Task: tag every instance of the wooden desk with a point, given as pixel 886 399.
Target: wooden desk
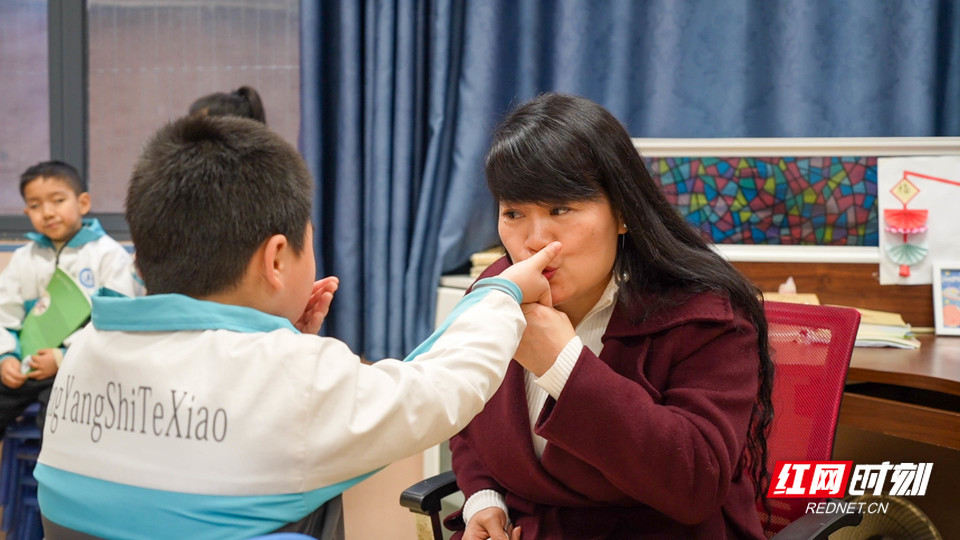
pixel 910 394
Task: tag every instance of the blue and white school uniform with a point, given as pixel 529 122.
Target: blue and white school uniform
pixel 91 258
pixel 178 418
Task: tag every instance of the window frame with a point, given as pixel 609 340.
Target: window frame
pixel 68 75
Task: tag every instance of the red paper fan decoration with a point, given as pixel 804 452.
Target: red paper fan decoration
pixel 904 218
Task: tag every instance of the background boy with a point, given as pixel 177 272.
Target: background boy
pixel 200 410
pixel 56 200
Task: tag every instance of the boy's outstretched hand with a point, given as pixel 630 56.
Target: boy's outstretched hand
pixel 318 305
pixel 528 274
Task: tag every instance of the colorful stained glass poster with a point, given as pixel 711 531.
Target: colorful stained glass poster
pixel 919 211
pixel 774 200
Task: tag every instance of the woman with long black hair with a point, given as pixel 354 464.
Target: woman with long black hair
pixel 646 403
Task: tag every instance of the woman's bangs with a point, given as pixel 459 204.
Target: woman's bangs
pixel 539 177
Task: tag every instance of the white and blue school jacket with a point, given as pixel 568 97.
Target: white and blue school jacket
pixel 91 258
pixel 173 417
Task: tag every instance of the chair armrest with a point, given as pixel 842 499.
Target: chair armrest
pixel 424 497
pixel 818 526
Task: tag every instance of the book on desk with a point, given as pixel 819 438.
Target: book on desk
pixel 884 329
pixel 877 328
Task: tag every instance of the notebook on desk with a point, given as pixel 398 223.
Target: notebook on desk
pixel 884 329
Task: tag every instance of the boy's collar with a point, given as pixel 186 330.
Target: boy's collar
pixel 173 312
pixel 89 231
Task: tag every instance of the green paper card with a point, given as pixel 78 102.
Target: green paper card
pixel 61 310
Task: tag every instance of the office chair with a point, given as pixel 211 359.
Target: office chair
pixel 811 348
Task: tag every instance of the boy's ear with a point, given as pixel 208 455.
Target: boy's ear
pixel 84 201
pixel 273 260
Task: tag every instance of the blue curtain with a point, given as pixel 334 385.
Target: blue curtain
pixel 378 98
pixel 399 98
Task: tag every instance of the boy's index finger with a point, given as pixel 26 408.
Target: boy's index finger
pixel 543 257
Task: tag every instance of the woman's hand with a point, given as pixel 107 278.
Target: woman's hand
pixel 548 332
pixel 491 523
pixel 318 305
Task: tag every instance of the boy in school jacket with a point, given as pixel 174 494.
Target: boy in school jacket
pixel 56 202
pixel 209 409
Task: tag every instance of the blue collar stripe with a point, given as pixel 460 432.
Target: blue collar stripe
pixel 480 290
pixel 89 231
pixel 173 312
pixel 110 510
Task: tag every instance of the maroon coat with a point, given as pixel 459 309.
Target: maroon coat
pixel 644 441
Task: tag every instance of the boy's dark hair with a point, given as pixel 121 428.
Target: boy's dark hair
pixel 53 169
pixel 205 193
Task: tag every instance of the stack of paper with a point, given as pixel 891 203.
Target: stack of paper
pixel 884 329
pixel 793 298
pixel 480 260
